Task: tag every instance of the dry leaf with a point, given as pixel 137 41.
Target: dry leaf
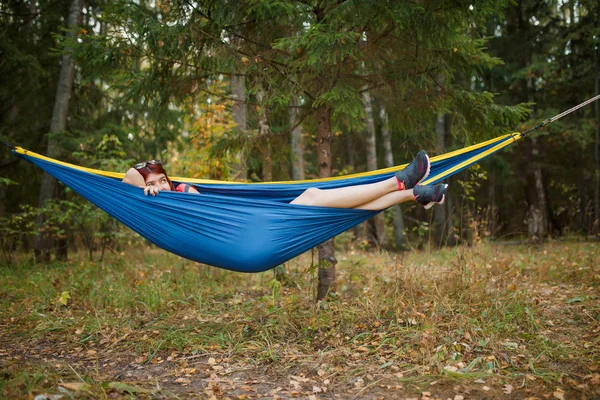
pixel 559 394
pixel 507 389
pixel 300 378
pixel 76 386
pixel 48 397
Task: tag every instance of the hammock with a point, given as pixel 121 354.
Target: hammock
pixel 246 227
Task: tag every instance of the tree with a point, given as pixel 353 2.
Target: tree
pixel 297 143
pixel 58 124
pixel 597 139
pixel 399 236
pixel 240 117
pixel 376 224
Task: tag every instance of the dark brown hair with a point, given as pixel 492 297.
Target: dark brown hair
pixel 155 169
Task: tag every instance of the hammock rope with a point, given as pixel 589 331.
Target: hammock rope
pixel 10 146
pixel 562 114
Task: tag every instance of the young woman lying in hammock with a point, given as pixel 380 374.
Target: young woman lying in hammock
pixel 374 196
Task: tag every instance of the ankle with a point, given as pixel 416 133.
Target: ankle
pixel 401 185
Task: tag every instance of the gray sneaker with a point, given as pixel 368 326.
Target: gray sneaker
pixel 415 172
pixel 430 195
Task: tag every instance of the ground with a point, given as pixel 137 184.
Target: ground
pixel 481 322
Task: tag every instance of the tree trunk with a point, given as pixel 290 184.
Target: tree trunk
pixel 492 211
pixel 297 145
pixel 597 142
pixel 263 131
pixel 240 117
pixel 358 231
pixel 376 224
pixel 399 237
pixel 537 221
pixel 441 217
pixel 58 124
pixel 327 260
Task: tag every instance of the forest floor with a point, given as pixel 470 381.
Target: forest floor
pixel 481 322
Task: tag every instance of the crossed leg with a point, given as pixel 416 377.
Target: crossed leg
pixel 373 196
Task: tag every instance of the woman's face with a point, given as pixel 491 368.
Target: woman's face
pixel 158 181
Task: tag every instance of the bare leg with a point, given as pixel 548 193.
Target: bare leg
pixel 388 200
pixel 350 196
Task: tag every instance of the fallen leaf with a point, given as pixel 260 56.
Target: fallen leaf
pixel 76 386
pixel 594 379
pixel 48 397
pixel 300 378
pixel 507 389
pixel 559 394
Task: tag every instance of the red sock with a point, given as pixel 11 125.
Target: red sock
pixel 400 184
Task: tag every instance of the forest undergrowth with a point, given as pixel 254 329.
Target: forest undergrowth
pixel 488 321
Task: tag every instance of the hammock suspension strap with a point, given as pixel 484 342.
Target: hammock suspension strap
pixel 10 146
pixel 562 114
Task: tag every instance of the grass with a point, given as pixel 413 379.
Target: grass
pixel 412 322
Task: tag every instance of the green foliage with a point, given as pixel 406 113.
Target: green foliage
pixel 80 221
pixel 6 182
pixel 14 230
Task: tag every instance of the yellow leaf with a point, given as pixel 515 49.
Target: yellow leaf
pixel 64 298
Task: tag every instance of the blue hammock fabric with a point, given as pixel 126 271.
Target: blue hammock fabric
pixel 239 227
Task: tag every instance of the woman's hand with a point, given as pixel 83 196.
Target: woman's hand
pixel 153 190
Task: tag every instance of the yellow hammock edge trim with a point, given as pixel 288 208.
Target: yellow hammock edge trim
pixel 120 175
